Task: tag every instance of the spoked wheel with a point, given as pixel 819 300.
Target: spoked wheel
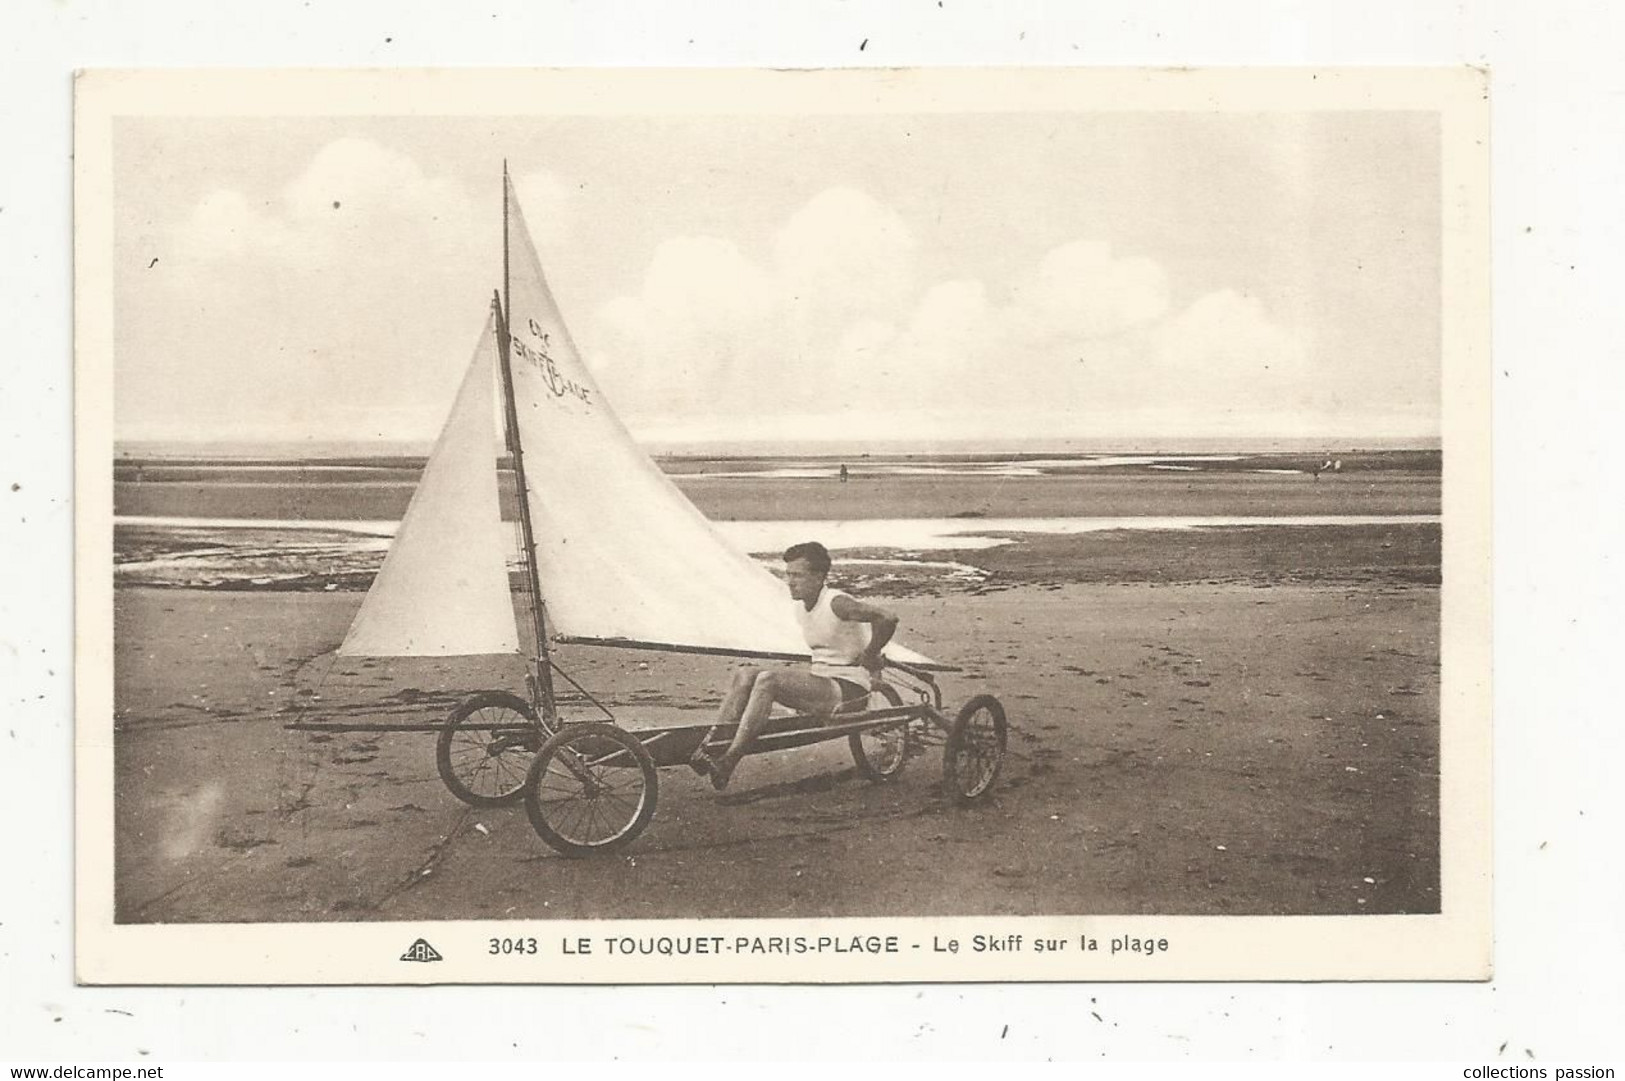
pixel 591 789
pixel 485 748
pixel 974 750
pixel 881 754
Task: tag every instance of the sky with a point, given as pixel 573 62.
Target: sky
pixel 768 279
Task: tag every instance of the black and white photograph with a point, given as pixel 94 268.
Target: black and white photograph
pixel 784 526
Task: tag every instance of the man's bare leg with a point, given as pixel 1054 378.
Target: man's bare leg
pixel 729 712
pixel 801 691
pixel 733 703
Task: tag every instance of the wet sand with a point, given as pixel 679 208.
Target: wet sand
pixel 1208 724
pixel 1101 493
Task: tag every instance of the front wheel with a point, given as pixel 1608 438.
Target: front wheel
pixel 591 789
pixel 974 750
pixel 485 748
pixel 880 754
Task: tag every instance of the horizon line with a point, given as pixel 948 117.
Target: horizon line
pixel 320 448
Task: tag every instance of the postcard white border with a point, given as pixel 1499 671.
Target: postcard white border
pixel 1453 945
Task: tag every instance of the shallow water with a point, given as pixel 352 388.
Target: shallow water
pixel 259 551
pixel 1032 467
pixel 906 533
pixel 969 533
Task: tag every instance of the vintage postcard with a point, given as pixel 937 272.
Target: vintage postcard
pixel 794 526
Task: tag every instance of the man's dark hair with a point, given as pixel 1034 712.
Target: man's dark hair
pixel 816 555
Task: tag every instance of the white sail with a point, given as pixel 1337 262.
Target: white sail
pixel 622 556
pixel 443 589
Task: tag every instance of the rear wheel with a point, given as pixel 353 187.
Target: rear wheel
pixel 974 751
pixel 880 754
pixel 591 789
pixel 485 748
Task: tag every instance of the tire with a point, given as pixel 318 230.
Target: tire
pixel 583 808
pixel 974 751
pixel 483 767
pixel 880 756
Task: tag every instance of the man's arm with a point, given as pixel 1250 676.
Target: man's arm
pixel 882 626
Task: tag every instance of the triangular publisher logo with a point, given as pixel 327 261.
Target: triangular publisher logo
pixel 421 951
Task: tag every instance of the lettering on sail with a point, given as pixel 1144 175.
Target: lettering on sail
pixel 535 353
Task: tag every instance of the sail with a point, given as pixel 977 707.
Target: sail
pixel 443 589
pixel 622 556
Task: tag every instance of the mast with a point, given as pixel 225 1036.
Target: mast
pixel 507 288
pixel 510 409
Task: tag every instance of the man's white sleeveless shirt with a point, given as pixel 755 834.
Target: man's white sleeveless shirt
pixel 834 642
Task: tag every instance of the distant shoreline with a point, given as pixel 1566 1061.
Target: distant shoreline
pixel 1419 459
pixel 734 490
pixel 972 450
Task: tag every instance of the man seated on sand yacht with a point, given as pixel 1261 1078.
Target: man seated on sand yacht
pixel 845 637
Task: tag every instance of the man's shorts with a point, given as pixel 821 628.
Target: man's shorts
pixel 853 695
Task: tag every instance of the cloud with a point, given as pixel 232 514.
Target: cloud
pixel 356 319
pixel 713 330
pixel 706 286
pixel 355 288
pixel 838 322
pixel 1080 290
pixel 950 337
pixel 1225 343
pixel 843 252
pixel 693 337
pixel 368 179
pixel 224 226
pixel 354 198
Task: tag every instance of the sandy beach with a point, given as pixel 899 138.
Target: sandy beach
pixel 1219 721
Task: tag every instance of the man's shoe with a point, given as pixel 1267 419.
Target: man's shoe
pixel 721 770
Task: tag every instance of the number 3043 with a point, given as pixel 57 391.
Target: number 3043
pixel 512 945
